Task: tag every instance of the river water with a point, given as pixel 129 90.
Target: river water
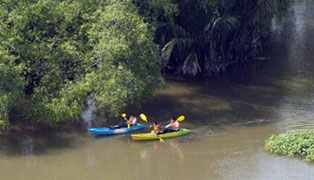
pixel 230 120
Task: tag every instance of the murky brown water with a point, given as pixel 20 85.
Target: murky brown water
pixel 230 120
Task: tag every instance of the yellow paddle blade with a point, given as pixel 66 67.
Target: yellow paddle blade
pixel 161 139
pixel 143 117
pixel 123 115
pixel 152 131
pixel 129 126
pixel 180 118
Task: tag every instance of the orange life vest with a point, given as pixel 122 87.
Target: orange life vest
pixel 175 125
pixel 156 128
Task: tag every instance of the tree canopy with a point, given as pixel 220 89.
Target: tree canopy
pixel 54 55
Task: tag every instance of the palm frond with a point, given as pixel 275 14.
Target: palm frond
pixel 181 45
pixel 191 64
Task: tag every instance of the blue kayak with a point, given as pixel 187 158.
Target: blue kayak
pixel 110 131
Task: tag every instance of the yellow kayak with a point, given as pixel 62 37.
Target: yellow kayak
pixel 153 136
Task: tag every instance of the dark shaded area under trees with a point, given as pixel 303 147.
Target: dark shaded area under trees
pixel 207 36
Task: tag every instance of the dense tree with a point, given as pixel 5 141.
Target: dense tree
pixel 61 53
pixel 11 85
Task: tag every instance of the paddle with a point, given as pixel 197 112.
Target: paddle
pixel 180 118
pixel 124 115
pixel 144 118
pixel 161 140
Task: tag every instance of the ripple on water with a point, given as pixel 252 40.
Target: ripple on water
pixel 298 120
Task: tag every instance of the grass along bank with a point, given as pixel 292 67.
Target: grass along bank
pixel 293 143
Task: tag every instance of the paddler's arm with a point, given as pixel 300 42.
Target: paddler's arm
pixel 168 125
pixel 127 121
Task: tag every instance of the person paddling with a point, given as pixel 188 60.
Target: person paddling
pixel 156 127
pixel 132 121
pixel 174 124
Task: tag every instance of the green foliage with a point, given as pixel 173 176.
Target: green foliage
pixel 62 53
pixel 207 36
pixel 125 55
pixel 293 143
pixel 11 85
pixel 156 11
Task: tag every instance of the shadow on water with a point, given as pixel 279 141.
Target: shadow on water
pixel 215 104
pixel 27 145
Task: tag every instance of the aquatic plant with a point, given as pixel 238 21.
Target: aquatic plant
pixel 293 143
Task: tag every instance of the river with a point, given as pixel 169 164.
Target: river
pixel 230 120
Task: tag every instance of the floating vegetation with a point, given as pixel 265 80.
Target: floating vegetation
pixel 293 143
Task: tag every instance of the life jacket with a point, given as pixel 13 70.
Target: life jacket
pixel 175 125
pixel 132 121
pixel 156 128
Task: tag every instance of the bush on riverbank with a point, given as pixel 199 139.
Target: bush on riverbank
pixel 294 143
